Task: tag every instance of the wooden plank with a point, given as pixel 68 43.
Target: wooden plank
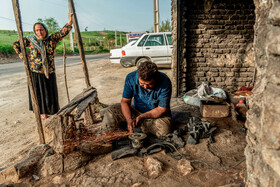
pixel 74 103
pixel 28 73
pixel 80 43
pixel 86 103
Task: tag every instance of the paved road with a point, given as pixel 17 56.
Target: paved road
pixel 18 67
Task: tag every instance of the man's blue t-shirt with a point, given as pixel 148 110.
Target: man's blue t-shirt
pixel 143 100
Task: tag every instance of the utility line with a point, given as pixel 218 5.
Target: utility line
pixel 14 20
pixel 87 13
pixel 45 1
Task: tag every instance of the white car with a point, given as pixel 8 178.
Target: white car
pixel 156 47
pixel 116 54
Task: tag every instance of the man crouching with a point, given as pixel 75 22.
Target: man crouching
pixel 151 91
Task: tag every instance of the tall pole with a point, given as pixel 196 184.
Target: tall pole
pixel 116 38
pixel 70 33
pixel 121 40
pixel 80 43
pixel 28 73
pixel 156 16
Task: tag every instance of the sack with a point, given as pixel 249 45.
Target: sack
pixel 195 101
pixel 203 92
pixel 192 98
pixel 207 91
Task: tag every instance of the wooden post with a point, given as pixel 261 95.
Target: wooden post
pixel 28 73
pixel 64 68
pixel 80 43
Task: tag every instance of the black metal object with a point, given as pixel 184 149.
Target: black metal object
pixel 152 144
pixel 199 129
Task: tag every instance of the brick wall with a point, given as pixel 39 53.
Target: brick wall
pixel 216 43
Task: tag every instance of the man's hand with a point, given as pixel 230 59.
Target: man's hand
pixel 130 125
pixel 70 21
pixel 125 104
pixel 139 119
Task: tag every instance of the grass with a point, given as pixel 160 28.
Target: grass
pixel 6 49
pixel 93 41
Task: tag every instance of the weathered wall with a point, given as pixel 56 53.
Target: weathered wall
pixel 263 118
pixel 215 43
pixel 179 40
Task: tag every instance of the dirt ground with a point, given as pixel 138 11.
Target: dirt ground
pixel 18 135
pixel 8 58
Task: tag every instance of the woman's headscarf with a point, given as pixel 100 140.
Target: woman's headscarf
pixel 38 43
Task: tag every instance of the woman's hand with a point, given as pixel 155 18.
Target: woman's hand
pixel 70 21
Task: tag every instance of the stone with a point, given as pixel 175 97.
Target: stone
pixel 153 166
pixel 35 177
pixel 229 74
pixel 75 160
pixel 271 157
pixel 232 185
pixel 19 170
pixel 184 167
pixel 52 165
pixel 200 74
pixel 138 184
pixel 274 15
pixel 38 150
pixel 48 128
pixel 25 167
pixel 263 140
pixel 214 109
pixel 9 175
pixel 57 180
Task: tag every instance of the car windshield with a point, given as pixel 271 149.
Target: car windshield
pixel 133 42
pixel 141 43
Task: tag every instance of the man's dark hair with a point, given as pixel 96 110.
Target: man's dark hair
pixel 147 71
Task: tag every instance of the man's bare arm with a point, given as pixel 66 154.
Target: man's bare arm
pixel 155 113
pixel 126 110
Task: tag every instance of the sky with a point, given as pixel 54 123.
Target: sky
pixel 97 15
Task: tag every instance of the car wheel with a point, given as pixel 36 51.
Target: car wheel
pixel 125 65
pixel 140 61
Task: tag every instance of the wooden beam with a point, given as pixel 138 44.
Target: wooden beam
pixel 28 73
pixel 80 43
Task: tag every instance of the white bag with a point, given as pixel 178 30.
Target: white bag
pixel 206 91
pixel 192 98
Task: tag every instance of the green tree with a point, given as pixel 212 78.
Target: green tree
pixel 51 23
pixel 86 29
pixel 165 26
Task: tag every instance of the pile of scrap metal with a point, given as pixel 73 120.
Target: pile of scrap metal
pixel 199 129
pixel 140 144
